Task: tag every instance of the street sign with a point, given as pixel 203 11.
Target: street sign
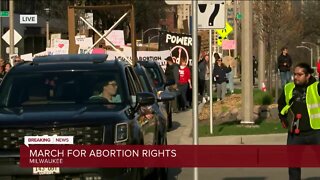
pixel 6 37
pixel 211 15
pixel 239 16
pixel 226 31
pixel 4 13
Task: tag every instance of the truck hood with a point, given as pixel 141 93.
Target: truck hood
pixel 62 115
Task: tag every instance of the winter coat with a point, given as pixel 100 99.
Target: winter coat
pixel 219 73
pixel 284 63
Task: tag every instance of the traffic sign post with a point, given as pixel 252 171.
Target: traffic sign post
pixel 4 13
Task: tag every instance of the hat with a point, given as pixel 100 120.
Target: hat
pixel 169 58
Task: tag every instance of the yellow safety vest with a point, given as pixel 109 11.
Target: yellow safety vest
pixel 312 101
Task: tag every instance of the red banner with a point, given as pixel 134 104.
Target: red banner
pixel 169 156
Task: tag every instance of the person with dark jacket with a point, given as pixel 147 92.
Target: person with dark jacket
pixel 172 76
pixel 299 111
pixel 220 75
pixel 284 66
pixel 204 78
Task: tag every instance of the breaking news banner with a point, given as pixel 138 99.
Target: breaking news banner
pixel 105 156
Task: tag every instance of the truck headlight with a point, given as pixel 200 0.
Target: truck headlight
pixel 121 133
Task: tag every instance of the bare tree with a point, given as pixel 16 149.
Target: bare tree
pixel 279 24
pixel 311 19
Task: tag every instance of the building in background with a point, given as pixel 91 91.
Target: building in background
pixel 33 35
pixel 183 17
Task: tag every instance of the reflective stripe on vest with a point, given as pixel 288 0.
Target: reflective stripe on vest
pixel 313 105
pixel 288 89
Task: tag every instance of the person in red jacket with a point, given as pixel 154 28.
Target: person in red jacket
pixel 184 83
pixel 318 68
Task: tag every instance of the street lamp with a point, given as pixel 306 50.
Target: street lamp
pixel 149 40
pixel 47 10
pixel 311 53
pixel 142 36
pixel 313 45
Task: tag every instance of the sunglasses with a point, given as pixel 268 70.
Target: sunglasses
pixel 113 84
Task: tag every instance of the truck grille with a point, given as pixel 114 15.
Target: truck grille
pixel 13 138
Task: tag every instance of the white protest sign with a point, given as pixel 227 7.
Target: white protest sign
pixel 54 36
pixel 84 45
pixel 48 140
pixel 43 53
pixel 116 37
pixel 79 39
pixel 158 56
pixel 60 46
pixel 26 57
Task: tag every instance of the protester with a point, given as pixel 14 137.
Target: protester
pixel 298 108
pixel 204 79
pixel 219 73
pixel 284 65
pixel 184 83
pixel 1 72
pixel 17 60
pixel 172 76
pixel 7 67
pixel 2 62
pixel 255 69
pixel 230 62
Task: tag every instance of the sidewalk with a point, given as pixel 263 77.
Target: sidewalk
pixel 182 134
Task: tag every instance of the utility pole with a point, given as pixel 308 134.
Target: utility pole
pixel 246 63
pixel 235 24
pixel 11 26
pixel 195 78
pixel 261 62
pixel 261 50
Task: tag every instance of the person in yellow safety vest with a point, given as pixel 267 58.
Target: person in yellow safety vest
pixel 299 110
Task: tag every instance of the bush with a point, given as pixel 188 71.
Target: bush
pixel 262 98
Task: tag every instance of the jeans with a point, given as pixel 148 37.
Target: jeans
pixel 207 88
pixel 183 88
pixel 311 139
pixel 201 88
pixel 230 85
pixel 221 90
pixel 285 78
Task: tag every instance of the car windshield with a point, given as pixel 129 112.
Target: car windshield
pixel 72 87
pixel 155 75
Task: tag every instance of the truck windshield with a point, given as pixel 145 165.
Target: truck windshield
pixel 43 88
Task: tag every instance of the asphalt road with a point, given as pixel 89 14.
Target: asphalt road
pixel 181 134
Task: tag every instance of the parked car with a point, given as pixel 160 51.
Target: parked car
pixel 159 80
pixel 163 97
pixel 158 107
pixel 85 96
